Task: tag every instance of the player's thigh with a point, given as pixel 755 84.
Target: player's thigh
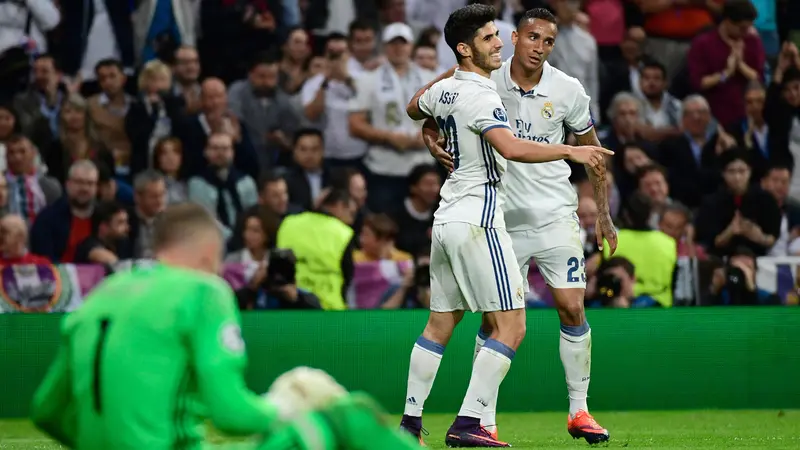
pixel 525 245
pixel 445 294
pixel 559 255
pixel 486 270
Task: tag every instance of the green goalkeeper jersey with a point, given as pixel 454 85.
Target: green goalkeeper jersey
pixel 145 361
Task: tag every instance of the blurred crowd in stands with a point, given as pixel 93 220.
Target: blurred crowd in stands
pixel 286 119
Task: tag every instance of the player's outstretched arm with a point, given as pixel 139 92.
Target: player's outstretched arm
pixel 53 410
pixel 413 110
pixel 219 357
pixel 526 151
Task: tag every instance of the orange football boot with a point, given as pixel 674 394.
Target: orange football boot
pixel 584 426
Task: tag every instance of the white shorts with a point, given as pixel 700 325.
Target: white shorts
pixel 474 268
pixel 557 250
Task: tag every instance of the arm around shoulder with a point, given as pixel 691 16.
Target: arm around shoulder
pixel 511 148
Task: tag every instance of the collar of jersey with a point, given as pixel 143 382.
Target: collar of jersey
pixel 472 76
pixel 543 88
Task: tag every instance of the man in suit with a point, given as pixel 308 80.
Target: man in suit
pixel 692 157
pixel 307 178
pixel 214 116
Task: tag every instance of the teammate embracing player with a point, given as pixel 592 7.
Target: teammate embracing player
pixel 541 205
pixel 472 261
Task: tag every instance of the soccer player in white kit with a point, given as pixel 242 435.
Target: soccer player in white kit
pixel 541 204
pixel 472 261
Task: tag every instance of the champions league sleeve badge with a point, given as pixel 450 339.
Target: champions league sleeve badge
pixel 500 115
pixel 547 110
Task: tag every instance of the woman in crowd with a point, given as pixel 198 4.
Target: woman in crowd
pixel 167 159
pixel 76 140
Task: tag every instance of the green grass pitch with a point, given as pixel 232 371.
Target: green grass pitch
pixel 540 431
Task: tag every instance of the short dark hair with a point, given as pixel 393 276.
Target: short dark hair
pixel 267 178
pixel 419 172
pixel 8 107
pixel 340 177
pixel 777 166
pixel 381 225
pixel 650 168
pixel 537 13
pixel 108 62
pixel 678 208
pixel 464 23
pixel 653 64
pixel 618 261
pixel 303 132
pixel 49 56
pixel 637 211
pixel 336 196
pixel 739 11
pixel 104 212
pixel 104 173
pixel 359 25
pixel 263 58
pixel 335 36
pixel 735 154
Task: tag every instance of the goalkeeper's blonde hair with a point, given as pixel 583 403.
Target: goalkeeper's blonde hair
pixel 181 223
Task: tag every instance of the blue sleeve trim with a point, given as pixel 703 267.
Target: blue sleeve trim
pixel 492 127
pixel 585 130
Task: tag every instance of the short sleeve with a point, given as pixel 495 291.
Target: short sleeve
pixel 427 101
pixel 310 89
pixel 488 113
pixel 579 117
pixel 364 93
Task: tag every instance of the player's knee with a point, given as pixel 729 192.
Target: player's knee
pixel 572 313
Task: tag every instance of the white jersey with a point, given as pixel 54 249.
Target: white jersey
pixel 539 194
pixel 466 106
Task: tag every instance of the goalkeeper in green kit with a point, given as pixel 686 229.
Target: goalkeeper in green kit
pixel 155 352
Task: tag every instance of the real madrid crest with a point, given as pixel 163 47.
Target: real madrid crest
pixel 547 110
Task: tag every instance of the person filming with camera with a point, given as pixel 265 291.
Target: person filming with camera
pixel 735 282
pixel 613 287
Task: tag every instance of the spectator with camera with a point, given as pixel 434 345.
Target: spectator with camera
pixel 273 286
pixel 651 251
pixel 322 242
pixel 734 283
pixel 615 284
pixel 258 230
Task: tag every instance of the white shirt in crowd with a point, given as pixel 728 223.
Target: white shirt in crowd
pixel 466 106
pixel 339 144
pixel 539 194
pixel 101 43
pixel 384 95
pixel 44 16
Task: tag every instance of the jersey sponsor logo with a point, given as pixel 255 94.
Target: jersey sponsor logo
pixel 231 338
pixel 548 111
pixel 500 115
pixel 524 132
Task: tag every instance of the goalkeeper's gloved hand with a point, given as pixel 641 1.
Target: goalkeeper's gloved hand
pixel 303 389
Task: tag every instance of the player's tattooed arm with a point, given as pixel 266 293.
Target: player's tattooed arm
pixel 605 226
pixel 412 109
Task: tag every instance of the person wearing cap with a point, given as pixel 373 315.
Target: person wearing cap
pixel 378 117
pixel 739 214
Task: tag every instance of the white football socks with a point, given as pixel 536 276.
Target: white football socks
pixel 576 356
pixel 425 359
pixel 489 417
pixel 488 371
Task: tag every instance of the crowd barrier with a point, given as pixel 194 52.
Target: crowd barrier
pixel 680 358
pixel 61 288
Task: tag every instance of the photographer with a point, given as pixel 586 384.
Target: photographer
pixel 735 282
pixel 273 286
pixel 613 287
